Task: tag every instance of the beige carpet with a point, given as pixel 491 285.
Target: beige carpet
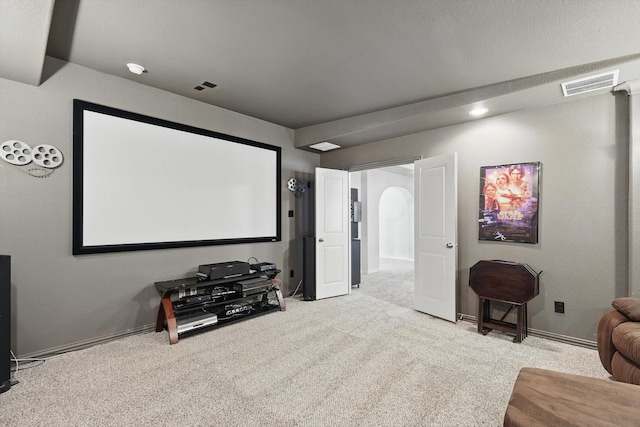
pixel 366 359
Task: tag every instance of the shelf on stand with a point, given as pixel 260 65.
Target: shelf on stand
pixel 221 302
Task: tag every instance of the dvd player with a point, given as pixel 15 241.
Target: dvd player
pixel 253 286
pixel 191 323
pixel 192 301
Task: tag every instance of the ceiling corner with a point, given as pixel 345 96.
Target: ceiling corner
pixel 24 32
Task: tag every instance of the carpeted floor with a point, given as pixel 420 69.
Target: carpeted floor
pixel 393 283
pixel 367 359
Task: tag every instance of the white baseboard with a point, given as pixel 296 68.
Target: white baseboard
pixel 79 345
pixel 544 334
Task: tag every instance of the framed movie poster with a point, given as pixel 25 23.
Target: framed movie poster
pixel 509 203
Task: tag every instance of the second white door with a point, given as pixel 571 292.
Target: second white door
pixel 332 233
pixel 436 246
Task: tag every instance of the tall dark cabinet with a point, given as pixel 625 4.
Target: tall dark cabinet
pixel 355 262
pixel 5 323
pixel 356 243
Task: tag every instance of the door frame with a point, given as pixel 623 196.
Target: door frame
pixel 373 166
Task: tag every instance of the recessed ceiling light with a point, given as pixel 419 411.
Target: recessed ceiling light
pixel 135 68
pixel 478 111
pixel 324 146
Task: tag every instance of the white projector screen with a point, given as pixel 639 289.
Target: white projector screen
pixel 145 183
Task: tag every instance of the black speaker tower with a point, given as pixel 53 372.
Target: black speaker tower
pixel 5 323
pixel 309 268
pixel 309 247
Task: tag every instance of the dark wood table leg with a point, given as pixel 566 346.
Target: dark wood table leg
pixel 480 313
pixel 526 321
pixel 172 326
pixel 160 318
pixel 519 323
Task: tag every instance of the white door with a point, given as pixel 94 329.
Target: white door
pixel 332 233
pixel 436 247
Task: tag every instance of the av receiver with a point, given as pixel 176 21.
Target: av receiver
pixel 224 269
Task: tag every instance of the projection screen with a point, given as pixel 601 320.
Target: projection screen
pixel 144 183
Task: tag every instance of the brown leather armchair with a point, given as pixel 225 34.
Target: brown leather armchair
pixel 619 340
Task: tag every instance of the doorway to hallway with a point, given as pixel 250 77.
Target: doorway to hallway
pixel 386 229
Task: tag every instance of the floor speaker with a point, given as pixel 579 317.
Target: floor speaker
pixel 356 248
pixel 5 323
pixel 309 268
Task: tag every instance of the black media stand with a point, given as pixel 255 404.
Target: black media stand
pixel 191 304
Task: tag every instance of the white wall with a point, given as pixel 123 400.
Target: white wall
pixel 59 300
pixel 396 224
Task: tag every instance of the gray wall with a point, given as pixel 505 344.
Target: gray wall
pixel 60 301
pixel 582 249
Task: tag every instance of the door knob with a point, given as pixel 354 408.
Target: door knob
pixel 449 245
pixel 321 240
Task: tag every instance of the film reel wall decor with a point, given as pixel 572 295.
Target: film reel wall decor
pixel 297 188
pixel 45 157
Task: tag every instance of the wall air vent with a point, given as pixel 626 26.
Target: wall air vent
pixel 591 83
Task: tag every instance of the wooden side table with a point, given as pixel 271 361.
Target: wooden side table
pixel 507 282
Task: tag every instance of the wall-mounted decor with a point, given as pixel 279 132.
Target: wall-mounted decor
pixel 509 202
pixel 145 183
pixel 45 157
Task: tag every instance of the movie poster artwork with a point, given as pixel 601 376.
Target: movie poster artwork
pixel 509 203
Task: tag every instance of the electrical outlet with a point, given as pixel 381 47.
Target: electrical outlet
pixel 291 273
pixel 559 306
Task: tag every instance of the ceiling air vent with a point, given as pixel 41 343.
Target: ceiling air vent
pixel 588 84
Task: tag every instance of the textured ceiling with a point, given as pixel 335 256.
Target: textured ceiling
pixel 349 71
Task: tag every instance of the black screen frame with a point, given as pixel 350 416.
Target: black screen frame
pixel 78 240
